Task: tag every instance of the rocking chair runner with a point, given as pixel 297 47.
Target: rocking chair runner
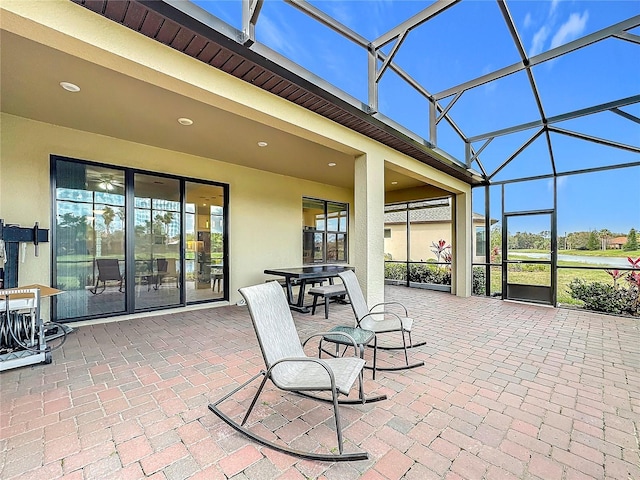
pixel 290 369
pixel 380 321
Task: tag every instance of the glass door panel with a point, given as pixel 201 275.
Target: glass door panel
pixel 205 269
pixel 157 242
pixel 90 232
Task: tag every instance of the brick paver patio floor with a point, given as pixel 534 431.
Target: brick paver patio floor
pixel 508 391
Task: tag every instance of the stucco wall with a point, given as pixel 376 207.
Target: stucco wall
pixel 422 234
pixel 265 210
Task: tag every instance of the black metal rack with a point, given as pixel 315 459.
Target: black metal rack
pixel 13 235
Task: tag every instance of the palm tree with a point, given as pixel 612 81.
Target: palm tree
pixel 108 215
pixel 164 220
pixel 605 234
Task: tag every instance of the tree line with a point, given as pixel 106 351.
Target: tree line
pixel 589 240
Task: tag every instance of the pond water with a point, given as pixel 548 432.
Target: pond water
pixel 587 260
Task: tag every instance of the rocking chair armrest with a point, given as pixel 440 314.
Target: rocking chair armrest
pixel 322 334
pixel 373 314
pixel 319 361
pixel 406 313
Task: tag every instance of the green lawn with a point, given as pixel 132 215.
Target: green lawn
pixel 565 276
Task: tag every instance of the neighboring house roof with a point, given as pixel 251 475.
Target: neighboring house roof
pixel 618 241
pixel 425 215
pixel 217 44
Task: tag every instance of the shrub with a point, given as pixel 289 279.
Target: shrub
pixel 395 271
pixel 615 298
pixel 478 281
pixel 421 273
pixel 598 296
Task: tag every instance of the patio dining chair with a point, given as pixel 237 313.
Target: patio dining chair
pixel 108 270
pixel 290 369
pixel 381 321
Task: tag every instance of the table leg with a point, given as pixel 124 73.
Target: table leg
pixel 303 284
pixel 289 290
pixel 297 305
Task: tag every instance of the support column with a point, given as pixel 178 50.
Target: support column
pixel 368 244
pixel 463 237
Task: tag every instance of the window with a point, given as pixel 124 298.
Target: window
pixel 324 231
pixel 387 233
pixel 480 241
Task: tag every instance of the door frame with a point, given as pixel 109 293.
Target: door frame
pixel 530 293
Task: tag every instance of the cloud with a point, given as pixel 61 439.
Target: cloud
pixel 341 12
pixel 367 21
pixel 561 182
pixel 571 29
pixel 279 36
pixel 539 38
pixel 527 20
pixel 553 7
pixel 489 87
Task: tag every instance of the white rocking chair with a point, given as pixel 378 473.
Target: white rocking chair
pixel 290 369
pixel 380 321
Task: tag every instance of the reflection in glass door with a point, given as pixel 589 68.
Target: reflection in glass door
pixel 528 241
pixel 157 241
pixel 205 266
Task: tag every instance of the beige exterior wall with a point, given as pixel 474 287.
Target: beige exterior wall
pixel 265 210
pixel 422 234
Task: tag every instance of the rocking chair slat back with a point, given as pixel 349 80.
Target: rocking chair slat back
pixel 358 302
pixel 273 324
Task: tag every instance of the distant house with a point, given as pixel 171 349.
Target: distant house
pixel 427 225
pixel 616 243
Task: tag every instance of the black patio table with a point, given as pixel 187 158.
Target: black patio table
pixel 305 275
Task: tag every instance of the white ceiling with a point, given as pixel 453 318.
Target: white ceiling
pixel 116 105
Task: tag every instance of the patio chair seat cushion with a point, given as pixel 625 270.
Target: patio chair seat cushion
pixel 328 290
pixel 312 376
pixel 389 324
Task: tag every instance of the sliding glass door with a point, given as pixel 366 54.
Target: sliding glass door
pixel 127 241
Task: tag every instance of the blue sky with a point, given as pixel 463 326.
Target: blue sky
pixel 471 39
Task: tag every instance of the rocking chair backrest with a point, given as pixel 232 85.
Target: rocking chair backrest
pixel 108 269
pixel 356 297
pixel 273 324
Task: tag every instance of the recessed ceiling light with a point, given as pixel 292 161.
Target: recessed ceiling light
pixel 262 144
pixel 331 164
pixel 185 121
pixel 70 87
pixel 394 183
